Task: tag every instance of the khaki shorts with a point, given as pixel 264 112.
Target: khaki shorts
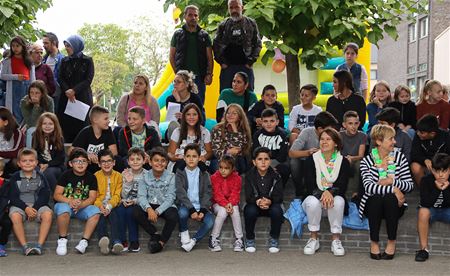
pixel 14 209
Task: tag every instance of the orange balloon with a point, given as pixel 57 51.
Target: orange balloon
pixel 278 65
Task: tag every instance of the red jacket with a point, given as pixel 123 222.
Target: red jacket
pixel 226 190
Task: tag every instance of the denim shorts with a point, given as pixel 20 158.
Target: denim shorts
pixel 82 214
pixel 440 214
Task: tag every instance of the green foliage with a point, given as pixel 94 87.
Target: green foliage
pixel 311 28
pixel 17 17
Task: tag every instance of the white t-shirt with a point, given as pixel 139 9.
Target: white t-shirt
pixel 301 118
pixel 51 61
pixel 206 138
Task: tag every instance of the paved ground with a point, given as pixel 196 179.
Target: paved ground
pixel 203 262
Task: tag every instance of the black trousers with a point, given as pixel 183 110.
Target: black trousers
pixel 5 225
pixel 379 207
pixel 170 216
pixel 251 214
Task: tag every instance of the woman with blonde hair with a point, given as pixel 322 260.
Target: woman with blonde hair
pixel 139 96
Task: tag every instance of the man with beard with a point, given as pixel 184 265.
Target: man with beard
pixel 53 59
pixel 191 49
pixel 237 45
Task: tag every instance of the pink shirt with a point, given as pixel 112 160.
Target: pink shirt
pixel 148 114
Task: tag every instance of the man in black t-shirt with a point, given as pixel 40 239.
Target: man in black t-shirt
pixel 237 45
pixel 75 194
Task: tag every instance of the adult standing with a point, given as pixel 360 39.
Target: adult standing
pixel 237 45
pixel 53 58
pixel 191 50
pixel 75 77
pixel 42 71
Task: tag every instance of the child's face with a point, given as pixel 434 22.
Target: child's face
pixel 158 163
pixel 307 97
pixel 351 125
pixel 381 93
pixel 191 158
pixel 101 120
pixel 79 165
pixel 191 117
pixel 425 135
pixel 262 162
pixel 269 97
pixel 48 126
pixel 35 95
pixel 135 122
pixel 27 162
pixel 232 116
pixel 239 85
pixel 436 92
pixel 136 162
pixel 139 87
pixel 3 123
pixel 16 48
pixel 441 175
pixel 106 163
pixel 270 123
pixel 225 169
pixel 404 97
pixel 350 55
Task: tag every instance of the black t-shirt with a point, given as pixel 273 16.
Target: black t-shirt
pixel 77 187
pixel 86 140
pixel 234 52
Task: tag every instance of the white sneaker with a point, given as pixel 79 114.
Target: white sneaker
pixel 311 247
pixel 337 248
pixel 61 249
pixel 188 246
pixel 238 245
pixel 185 238
pixel 103 244
pixel 81 247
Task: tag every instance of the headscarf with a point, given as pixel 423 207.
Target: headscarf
pixel 76 42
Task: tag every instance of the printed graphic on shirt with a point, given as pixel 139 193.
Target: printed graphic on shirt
pixel 304 121
pixel 95 148
pixel 439 201
pixel 78 191
pixel 271 142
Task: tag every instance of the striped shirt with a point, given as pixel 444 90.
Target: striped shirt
pixel 369 174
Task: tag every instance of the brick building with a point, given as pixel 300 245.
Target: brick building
pixel 409 60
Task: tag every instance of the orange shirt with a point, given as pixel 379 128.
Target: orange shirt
pixel 18 67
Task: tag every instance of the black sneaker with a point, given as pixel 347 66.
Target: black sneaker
pixel 422 255
pixel 154 246
pixel 134 247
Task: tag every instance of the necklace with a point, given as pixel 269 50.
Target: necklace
pixel 382 172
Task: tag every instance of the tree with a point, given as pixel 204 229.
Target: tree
pixel 148 47
pixel 107 44
pixel 17 17
pixel 311 29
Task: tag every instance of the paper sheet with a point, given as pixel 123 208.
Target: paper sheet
pixel 172 108
pixel 78 110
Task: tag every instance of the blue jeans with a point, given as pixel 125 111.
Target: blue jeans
pixel 227 75
pixel 126 220
pixel 201 87
pixel 82 214
pixel 19 89
pixel 440 214
pixel 207 223
pixel 113 221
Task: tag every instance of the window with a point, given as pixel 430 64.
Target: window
pixel 412 32
pixel 411 69
pixel 423 27
pixel 373 74
pixel 411 83
pixel 423 67
pixel 420 82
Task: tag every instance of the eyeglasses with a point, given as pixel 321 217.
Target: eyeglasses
pixel 79 162
pixel 106 162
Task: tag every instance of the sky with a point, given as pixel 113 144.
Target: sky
pixel 65 17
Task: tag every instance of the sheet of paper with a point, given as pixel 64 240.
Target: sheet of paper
pixel 172 108
pixel 78 110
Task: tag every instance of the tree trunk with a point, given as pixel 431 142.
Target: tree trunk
pixel 293 79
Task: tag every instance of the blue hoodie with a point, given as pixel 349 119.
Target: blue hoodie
pixel 76 42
